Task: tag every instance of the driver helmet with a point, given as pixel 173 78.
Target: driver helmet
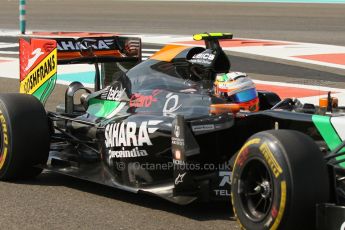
pixel 238 88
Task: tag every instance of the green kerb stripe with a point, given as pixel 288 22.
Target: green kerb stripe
pixel 328 133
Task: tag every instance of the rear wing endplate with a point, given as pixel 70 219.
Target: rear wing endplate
pixel 38 67
pixel 39 57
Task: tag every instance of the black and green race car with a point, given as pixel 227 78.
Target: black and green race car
pixel 155 127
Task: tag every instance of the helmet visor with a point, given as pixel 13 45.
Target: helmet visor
pixel 244 96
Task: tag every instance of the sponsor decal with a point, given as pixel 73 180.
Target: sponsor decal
pixel 176 140
pixel 40 74
pixel 113 93
pixel 138 100
pixel 179 162
pixel 198 128
pixel 122 135
pixel 127 134
pixel 226 175
pixel 33 52
pixel 37 53
pixel 222 192
pixel 72 45
pixel 226 180
pixel 171 104
pixel 203 58
pixel 38 66
pixel 4 150
pixel 272 162
pixel 179 178
pixel 135 152
pixel 177 131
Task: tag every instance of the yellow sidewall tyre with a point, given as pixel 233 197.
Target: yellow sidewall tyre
pixel 24 136
pixel 278 178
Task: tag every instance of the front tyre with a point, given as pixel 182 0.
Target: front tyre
pixel 278 178
pixel 24 136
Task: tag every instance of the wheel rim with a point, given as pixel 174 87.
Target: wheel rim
pixel 256 190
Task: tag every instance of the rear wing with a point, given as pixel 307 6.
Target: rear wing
pixel 104 49
pixel 39 57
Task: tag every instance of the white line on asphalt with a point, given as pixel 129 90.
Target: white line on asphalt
pixel 312 85
pixel 8 45
pixel 9 52
pixel 150 50
pixel 146 54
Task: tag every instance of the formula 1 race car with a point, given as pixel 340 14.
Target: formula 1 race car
pixel 156 127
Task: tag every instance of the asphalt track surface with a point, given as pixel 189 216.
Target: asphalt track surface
pixel 316 23
pixel 58 202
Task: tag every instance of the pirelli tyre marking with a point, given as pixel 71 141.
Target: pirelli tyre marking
pixel 40 74
pixel 3 140
pixel 266 152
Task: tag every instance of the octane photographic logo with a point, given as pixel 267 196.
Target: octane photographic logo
pixel 124 135
pixel 171 104
pixel 72 45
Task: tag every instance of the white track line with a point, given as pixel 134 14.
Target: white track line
pixel 9 52
pixel 302 86
pixel 150 50
pixel 8 45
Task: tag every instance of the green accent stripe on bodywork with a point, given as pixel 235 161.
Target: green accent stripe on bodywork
pixel 101 108
pixel 328 133
pixel 46 89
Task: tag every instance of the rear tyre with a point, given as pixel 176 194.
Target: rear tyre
pixel 278 178
pixel 24 136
